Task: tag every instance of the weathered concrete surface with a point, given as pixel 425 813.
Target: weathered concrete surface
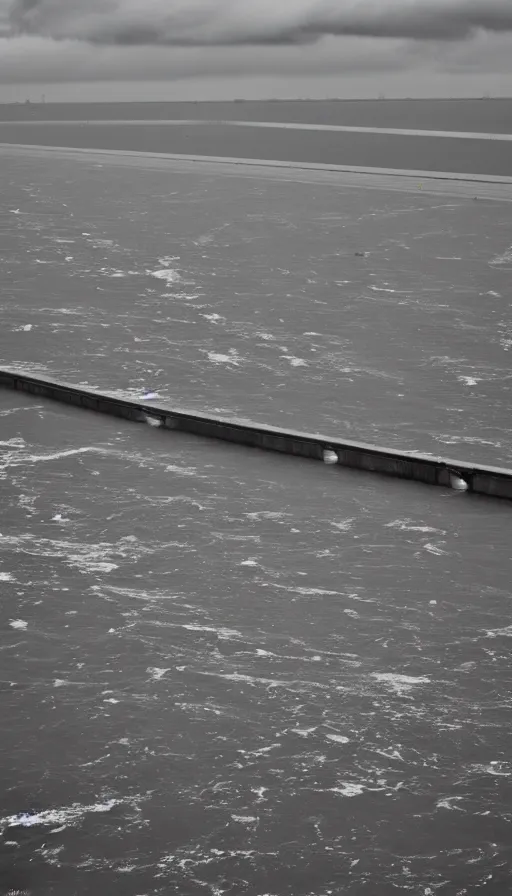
pixel 492 481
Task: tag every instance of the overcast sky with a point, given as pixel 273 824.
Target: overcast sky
pixel 214 49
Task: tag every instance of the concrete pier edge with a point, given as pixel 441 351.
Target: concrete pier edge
pixel 477 479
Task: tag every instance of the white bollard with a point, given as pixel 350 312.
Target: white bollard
pixel 152 421
pixel 460 485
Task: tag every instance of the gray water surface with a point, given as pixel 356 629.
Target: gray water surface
pixel 226 672
pixel 229 672
pixel 377 315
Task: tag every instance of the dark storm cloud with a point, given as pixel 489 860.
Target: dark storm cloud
pixel 29 59
pixel 257 22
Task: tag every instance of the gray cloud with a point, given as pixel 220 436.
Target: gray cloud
pixel 28 59
pixel 189 23
pixel 221 39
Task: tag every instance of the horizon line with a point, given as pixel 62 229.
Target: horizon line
pixel 375 99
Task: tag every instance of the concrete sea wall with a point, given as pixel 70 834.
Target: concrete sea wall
pixel 491 481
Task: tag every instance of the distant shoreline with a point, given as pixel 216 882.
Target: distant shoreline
pixel 384 99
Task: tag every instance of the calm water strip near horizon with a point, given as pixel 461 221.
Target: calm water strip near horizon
pixel 380 150
pixel 489 115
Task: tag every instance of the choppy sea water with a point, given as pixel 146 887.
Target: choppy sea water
pixel 377 315
pixel 227 672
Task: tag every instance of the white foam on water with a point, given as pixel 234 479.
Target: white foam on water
pixel 348 789
pixel 167 260
pixel 156 673
pixel 304 592
pixel 266 515
pixel 68 311
pixel 6 577
pixel 69 816
pixel 101 244
pixel 58 455
pixel 308 592
pixel 87 558
pixel 303 732
pixel 218 358
pixel 182 295
pixel 505 632
pixel 400 684
pixel 213 317
pixel 296 362
pixel 253 680
pixel 17 410
pixel 181 471
pixel 13 443
pixel 338 738
pixel 409 526
pixel 51 856
pixel 18 624
pixel 434 549
pixel 117 272
pixel 249 563
pixel 343 525
pixel 167 274
pixel 470 440
pixel 225 634
pixel 505 258
pixel 245 819
pixel 469 380
pixel 491 769
pixel 446 803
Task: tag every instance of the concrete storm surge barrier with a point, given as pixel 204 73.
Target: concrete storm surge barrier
pixel 478 479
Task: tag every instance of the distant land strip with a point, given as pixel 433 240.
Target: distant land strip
pixel 296 126
pixel 493 482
